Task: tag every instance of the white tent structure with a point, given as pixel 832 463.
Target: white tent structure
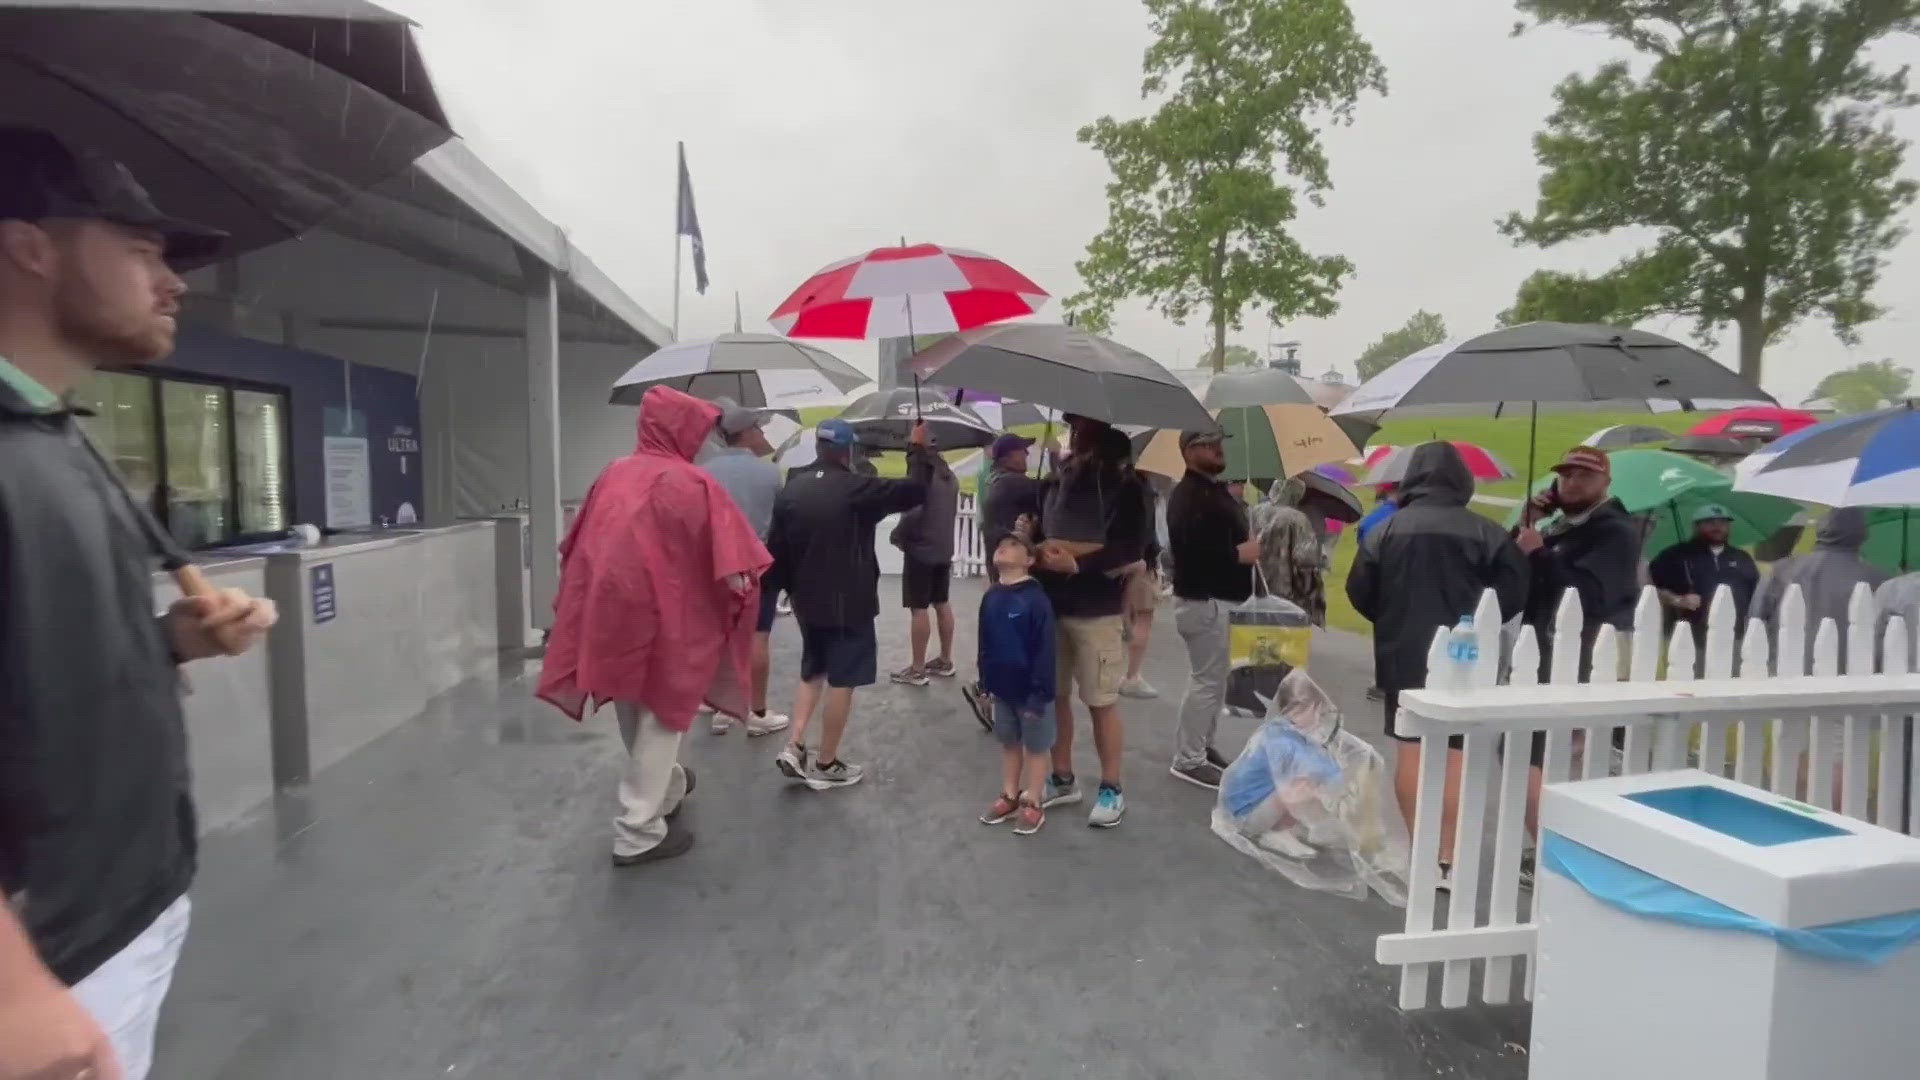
pixel 514 335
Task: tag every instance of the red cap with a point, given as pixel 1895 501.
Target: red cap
pixel 1585 457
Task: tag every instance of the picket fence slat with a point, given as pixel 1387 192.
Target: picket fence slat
pixel 1489 916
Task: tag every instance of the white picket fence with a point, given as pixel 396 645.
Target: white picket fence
pixel 1770 724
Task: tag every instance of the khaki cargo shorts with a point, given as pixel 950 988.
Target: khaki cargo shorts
pixel 1091 653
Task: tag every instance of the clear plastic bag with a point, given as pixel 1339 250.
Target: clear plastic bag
pixel 1314 801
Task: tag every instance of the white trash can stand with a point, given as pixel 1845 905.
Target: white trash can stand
pixel 1691 927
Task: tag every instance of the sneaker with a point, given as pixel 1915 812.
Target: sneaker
pixel 1059 793
pixel 1108 806
pixel 767 723
pixel 1002 809
pixel 1202 774
pixel 1217 759
pixel 720 723
pixel 676 842
pixel 1374 693
pixel 980 702
pixel 833 774
pixel 1139 688
pixel 910 676
pixel 1526 870
pixel 1285 842
pixel 942 668
pixel 682 805
pixel 792 762
pixel 784 606
pixel 1028 819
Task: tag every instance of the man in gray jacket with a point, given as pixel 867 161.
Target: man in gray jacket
pixel 737 456
pixel 925 537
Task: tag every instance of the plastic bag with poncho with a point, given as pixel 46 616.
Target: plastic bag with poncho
pixel 1314 801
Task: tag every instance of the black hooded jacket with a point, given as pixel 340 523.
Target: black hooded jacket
pixel 1600 558
pixel 1428 564
pixel 96 822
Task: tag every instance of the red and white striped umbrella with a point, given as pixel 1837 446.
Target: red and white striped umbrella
pixel 897 291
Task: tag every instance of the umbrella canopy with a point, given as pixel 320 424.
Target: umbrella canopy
pixel 1066 368
pixel 258 118
pixel 1755 422
pixel 1871 459
pixel 905 291
pixel 1264 442
pixel 1005 414
pixel 1339 504
pixel 1621 436
pixel 884 419
pixel 1713 448
pixel 1388 464
pixel 1551 362
pixel 1670 488
pixel 755 370
pixel 1339 474
pixel 1238 389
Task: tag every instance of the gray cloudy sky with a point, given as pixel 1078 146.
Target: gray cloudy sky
pixel 816 129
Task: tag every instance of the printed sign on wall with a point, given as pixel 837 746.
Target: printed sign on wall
pixel 326 602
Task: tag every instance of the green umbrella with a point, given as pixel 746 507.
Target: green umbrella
pixel 1889 531
pixel 1671 488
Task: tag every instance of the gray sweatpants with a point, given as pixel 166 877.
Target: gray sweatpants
pixel 1203 626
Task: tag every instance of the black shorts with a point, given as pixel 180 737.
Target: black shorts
pixel 845 656
pixel 923 585
pixel 1537 754
pixel 769 610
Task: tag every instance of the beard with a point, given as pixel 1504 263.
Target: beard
pixel 110 334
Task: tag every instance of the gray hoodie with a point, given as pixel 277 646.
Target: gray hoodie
pixel 1826 576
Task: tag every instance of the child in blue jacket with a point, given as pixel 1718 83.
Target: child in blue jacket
pixel 1016 667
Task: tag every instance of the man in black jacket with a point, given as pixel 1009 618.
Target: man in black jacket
pixel 822 546
pixel 97 833
pixel 1689 573
pixel 1593 548
pixel 1420 570
pixel 1213 559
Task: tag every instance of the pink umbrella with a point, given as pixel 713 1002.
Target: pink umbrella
pixel 907 290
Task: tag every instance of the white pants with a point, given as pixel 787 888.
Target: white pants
pixel 124 994
pixel 653 784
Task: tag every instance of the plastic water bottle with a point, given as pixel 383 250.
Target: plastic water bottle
pixel 1463 653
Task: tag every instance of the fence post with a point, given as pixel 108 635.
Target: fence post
pixel 1896 659
pixel 1717 665
pixel 1789 660
pixel 1750 759
pixel 1670 736
pixel 1423 871
pixel 1820 741
pixel 1645 647
pixel 1504 901
pixel 1476 782
pixel 1563 669
pixel 1863 619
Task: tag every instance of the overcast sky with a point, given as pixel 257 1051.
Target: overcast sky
pixel 816 129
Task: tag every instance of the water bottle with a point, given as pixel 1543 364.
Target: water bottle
pixel 1463 654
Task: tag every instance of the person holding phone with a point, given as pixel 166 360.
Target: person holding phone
pixel 1591 546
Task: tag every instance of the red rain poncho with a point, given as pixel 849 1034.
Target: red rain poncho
pixel 644 613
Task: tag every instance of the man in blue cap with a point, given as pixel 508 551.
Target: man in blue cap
pixel 822 544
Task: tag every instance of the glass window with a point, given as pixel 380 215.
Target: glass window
pixel 199 491
pixel 260 426
pixel 125 429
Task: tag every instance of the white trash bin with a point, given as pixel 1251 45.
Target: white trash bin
pixel 1691 927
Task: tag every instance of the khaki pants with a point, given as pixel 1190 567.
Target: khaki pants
pixel 1203 626
pixel 653 784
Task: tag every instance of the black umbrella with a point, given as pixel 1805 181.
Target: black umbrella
pixel 258 118
pixel 1715 448
pixel 1523 367
pixel 884 420
pixel 1337 501
pixel 1242 389
pixel 1068 369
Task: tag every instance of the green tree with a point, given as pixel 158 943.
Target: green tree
pixel 1862 387
pixel 1197 216
pixel 1422 328
pixel 1754 143
pixel 1238 356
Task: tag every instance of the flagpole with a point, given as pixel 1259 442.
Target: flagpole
pixel 679 216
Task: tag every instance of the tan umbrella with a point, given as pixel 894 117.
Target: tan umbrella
pixel 1264 442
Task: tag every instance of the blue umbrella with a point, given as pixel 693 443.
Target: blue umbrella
pixel 1872 459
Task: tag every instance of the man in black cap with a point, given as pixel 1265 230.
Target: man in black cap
pixel 97 833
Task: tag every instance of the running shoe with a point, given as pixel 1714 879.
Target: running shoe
pixel 941 668
pixel 1028 819
pixel 833 774
pixel 910 676
pixel 1217 759
pixel 1138 689
pixel 980 702
pixel 1286 842
pixel 1108 806
pixel 767 723
pixel 792 762
pixel 1202 774
pixel 1059 793
pixel 720 723
pixel 1003 808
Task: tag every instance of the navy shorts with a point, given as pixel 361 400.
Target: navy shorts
pixel 1035 732
pixel 924 585
pixel 845 656
pixel 769 610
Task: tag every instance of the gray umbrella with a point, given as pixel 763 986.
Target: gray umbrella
pixel 756 370
pixel 1620 436
pixel 1068 369
pixel 884 419
pixel 256 117
pixel 1713 448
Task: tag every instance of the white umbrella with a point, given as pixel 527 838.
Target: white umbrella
pixel 755 370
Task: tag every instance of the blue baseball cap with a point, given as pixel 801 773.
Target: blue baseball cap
pixel 835 433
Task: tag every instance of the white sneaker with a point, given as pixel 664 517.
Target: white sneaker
pixel 720 723
pixel 792 762
pixel 1283 842
pixel 1138 688
pixel 838 774
pixel 767 723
